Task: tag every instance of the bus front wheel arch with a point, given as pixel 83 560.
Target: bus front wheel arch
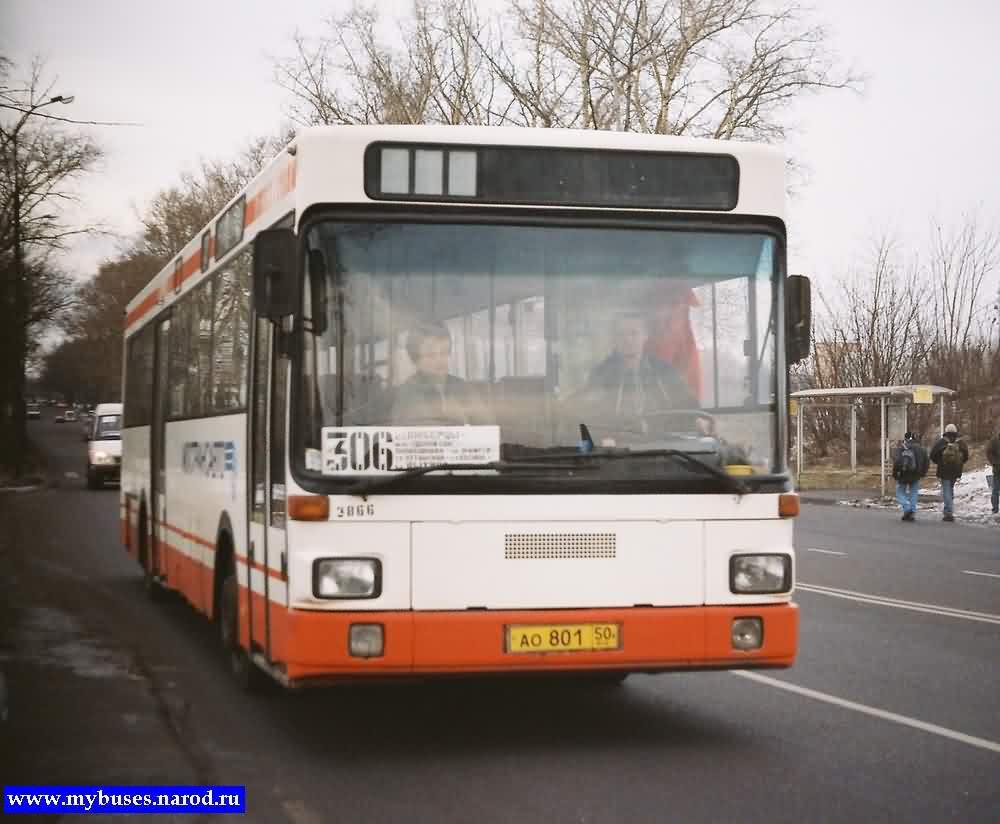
pixel 247 675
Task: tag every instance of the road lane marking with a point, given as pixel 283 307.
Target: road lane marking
pixel 984 574
pixel 824 551
pixel 885 715
pixel 914 606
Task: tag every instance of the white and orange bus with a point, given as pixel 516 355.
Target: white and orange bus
pixel 437 400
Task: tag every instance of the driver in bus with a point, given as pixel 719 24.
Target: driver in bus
pixel 432 394
pixel 630 383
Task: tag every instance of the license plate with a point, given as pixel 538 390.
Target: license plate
pixel 563 638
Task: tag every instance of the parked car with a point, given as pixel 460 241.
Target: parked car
pixel 34 413
pixel 69 416
pixel 104 449
pixel 60 419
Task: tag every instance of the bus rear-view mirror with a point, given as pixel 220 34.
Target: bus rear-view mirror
pixel 275 281
pixel 798 317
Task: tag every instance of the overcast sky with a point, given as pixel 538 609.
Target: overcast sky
pixel 920 142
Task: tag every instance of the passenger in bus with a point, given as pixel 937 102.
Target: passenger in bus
pixel 632 384
pixel 672 338
pixel 432 394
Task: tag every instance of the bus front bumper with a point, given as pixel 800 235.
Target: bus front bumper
pixel 650 639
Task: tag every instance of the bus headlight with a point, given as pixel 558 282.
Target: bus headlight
pixel 760 574
pixel 347 578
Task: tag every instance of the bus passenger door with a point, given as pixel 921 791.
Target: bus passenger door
pixel 157 563
pixel 277 584
pixel 267 484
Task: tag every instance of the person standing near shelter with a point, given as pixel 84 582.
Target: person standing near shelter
pixel 909 464
pixel 993 456
pixel 950 455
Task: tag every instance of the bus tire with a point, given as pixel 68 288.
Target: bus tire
pixel 247 675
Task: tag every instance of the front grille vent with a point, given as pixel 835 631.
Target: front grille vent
pixel 532 546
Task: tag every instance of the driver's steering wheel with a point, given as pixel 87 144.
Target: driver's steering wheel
pixel 705 420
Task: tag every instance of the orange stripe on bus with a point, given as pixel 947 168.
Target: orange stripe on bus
pixel 147 303
pixel 174 279
pixel 257 204
pixel 270 193
pixel 250 213
pixel 185 534
pixel 274 573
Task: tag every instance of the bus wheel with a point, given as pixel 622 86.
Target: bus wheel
pixel 248 676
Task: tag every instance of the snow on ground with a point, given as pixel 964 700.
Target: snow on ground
pixel 972 498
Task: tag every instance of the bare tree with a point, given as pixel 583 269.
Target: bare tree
pixel 712 68
pixel 868 334
pixel 954 334
pixel 40 161
pixel 96 329
pixel 434 72
pixel 177 213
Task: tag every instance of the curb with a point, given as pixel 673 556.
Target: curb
pixel 13 490
pixel 822 501
pixel 852 497
pixel 848 495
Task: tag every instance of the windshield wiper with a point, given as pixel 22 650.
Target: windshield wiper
pixel 731 483
pixel 734 484
pixel 363 488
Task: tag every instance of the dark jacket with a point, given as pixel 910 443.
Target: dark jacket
pixel 943 472
pixel 993 452
pixel 622 393
pixel 421 401
pixel 921 459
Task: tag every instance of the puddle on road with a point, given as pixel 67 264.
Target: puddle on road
pixel 54 638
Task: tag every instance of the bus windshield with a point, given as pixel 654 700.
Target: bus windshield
pixel 509 341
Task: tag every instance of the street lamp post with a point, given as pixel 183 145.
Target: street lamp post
pixel 19 291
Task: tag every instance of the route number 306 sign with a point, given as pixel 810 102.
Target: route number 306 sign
pixel 374 450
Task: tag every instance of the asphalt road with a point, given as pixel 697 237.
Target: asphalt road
pixel 889 714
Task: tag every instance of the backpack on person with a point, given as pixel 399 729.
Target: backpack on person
pixel 906 460
pixel 951 458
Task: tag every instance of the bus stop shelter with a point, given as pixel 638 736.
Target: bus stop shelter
pixel 887 396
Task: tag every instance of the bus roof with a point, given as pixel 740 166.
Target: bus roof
pixel 325 164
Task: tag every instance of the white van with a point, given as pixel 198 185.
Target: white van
pixel 104 447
